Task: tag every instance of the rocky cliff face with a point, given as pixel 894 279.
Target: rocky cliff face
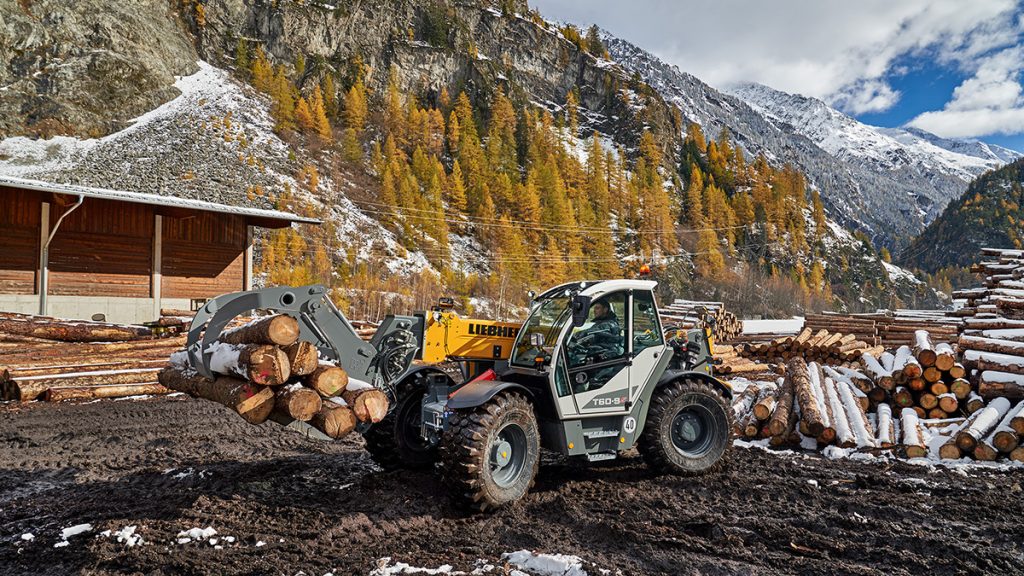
pixel 86 67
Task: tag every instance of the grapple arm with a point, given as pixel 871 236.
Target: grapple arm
pixel 320 323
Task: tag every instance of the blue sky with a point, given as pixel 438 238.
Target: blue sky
pixel 951 67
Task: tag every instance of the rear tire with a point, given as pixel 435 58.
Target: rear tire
pixel 490 453
pixel 394 442
pixel 687 430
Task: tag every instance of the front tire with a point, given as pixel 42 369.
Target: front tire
pixel 395 442
pixel 490 453
pixel 687 430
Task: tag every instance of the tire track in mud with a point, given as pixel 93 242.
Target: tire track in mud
pixel 170 464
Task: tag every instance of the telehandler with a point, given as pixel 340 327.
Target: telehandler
pixel 590 373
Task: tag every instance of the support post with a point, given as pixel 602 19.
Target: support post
pixel 156 280
pixel 44 233
pixel 247 266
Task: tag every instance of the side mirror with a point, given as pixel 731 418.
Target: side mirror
pixel 580 310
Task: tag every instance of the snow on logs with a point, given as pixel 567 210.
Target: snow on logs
pixel 265 373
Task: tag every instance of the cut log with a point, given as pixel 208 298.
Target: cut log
pixel 789 435
pixel 927 401
pixel 1018 454
pixel 923 349
pixel 810 416
pixel 779 420
pixel 844 434
pixel 992 384
pixel 252 402
pixel 994 361
pixel 328 380
pixel 72 331
pixel 334 420
pixel 914 444
pixel 932 374
pixel 878 373
pixel 31 388
pixel 949 450
pixel 94 392
pixel 974 403
pixel 885 428
pixel 937 414
pixel 1010 347
pixel 949 403
pixel 960 388
pixel 945 357
pixel 1004 437
pixel 297 402
pixel 279 330
pixel 368 403
pixel 863 435
pixel 1017 422
pixel 967 439
pixel 303 357
pixel 261 364
pixel 938 388
pixel 902 397
pixel 958 370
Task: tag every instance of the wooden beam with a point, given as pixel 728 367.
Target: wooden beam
pixel 247 264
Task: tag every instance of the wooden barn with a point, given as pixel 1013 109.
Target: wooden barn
pixel 75 252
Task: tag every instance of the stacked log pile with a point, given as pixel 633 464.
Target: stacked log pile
pixel 264 372
pixel 889 329
pixel 807 403
pixel 813 346
pixel 992 340
pixel 728 361
pixel 686 314
pixel 50 370
pixel 16 328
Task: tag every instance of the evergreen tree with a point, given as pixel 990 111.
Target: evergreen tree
pixel 356 109
pixel 303 115
pixel 321 125
pixel 242 63
pixel 572 106
pixel 457 189
pixel 262 73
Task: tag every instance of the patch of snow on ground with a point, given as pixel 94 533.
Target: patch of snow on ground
pixel 546 564
pixel 126 536
pixel 28 536
pixel 196 535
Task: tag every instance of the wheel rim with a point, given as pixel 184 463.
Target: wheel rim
pixel 508 455
pixel 409 422
pixel 692 431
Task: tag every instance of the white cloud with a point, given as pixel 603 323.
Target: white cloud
pixel 841 52
pixel 989 102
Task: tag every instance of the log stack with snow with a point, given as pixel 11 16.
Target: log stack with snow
pixel 264 372
pixel 45 358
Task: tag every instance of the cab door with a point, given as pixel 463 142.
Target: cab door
pixel 597 359
pixel 647 341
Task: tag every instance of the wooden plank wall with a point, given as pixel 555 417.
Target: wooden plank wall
pixel 203 255
pixel 19 237
pixel 103 248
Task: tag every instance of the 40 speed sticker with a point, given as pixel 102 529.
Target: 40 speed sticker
pixel 629 426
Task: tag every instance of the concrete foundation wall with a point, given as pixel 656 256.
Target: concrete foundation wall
pixel 116 309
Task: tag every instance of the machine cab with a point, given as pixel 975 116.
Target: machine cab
pixel 596 343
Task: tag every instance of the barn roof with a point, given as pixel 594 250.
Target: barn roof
pixel 255 216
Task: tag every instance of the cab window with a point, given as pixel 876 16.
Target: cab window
pixel 646 327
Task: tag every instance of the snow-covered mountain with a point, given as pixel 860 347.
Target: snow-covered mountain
pixel 889 183
pixel 882 149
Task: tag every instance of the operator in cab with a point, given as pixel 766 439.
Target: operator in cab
pixel 603 338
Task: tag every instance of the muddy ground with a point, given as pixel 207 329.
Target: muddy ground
pixel 172 464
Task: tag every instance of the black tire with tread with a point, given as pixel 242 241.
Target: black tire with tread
pixel 464 452
pixel 383 439
pixel 655 442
